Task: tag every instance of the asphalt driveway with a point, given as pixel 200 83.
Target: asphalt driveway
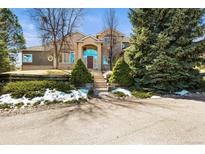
pixel 110 121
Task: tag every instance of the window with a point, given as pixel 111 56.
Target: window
pixel 124 45
pixel 114 40
pixel 105 60
pixel 27 58
pixel 72 57
pixel 68 58
pixel 106 40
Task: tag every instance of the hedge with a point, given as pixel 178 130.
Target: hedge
pixel 32 89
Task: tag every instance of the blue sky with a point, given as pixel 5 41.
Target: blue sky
pixel 91 24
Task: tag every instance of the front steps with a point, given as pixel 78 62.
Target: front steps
pixel 99 82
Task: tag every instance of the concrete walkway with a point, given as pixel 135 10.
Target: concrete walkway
pixel 108 120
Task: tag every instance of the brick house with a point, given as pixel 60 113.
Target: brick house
pixel 93 50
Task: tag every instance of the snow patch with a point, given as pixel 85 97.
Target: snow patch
pixel 49 95
pixel 182 93
pixel 125 91
pixel 155 97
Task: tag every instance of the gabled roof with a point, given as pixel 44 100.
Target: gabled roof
pixel 35 48
pixel 89 36
pixel 80 33
pixel 108 30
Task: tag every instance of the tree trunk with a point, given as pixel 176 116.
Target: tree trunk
pixel 55 61
pixel 111 43
pixel 111 58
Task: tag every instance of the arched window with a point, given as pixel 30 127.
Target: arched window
pixel 90 52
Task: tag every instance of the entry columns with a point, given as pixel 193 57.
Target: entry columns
pixel 99 56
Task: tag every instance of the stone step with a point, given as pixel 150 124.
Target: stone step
pixel 98 77
pixel 101 89
pixel 99 80
pixel 100 86
pixel 100 83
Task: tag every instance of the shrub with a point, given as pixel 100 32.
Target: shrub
pixel 142 94
pixel 32 89
pixel 120 94
pixel 121 73
pixel 19 105
pixel 5 106
pixel 80 74
pixel 202 84
pixel 91 93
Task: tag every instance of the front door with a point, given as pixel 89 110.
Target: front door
pixel 90 62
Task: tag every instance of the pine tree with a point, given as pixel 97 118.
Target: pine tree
pixel 121 73
pixel 13 31
pixel 80 74
pixel 4 58
pixel 165 48
pixel 11 38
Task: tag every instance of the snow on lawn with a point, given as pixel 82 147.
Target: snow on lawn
pixel 125 91
pixel 49 95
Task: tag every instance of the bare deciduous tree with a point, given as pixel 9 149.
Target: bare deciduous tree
pixel 111 23
pixel 56 26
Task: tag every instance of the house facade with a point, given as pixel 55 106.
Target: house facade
pixel 93 50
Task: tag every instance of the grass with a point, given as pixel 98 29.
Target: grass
pixel 19 105
pixel 5 106
pixel 142 94
pixel 119 94
pixel 41 72
pixel 58 72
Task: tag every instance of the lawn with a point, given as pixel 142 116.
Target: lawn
pixel 41 72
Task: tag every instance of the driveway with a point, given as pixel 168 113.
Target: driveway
pixel 110 121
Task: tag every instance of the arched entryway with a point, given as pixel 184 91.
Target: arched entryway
pixel 90 56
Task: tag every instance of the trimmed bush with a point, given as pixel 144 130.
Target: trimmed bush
pixel 80 74
pixel 32 89
pixel 121 73
pixel 142 94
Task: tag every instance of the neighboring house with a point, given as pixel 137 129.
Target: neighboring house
pixel 93 50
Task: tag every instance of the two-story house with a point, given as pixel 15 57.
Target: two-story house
pixel 93 50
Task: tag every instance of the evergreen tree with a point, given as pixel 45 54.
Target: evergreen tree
pixel 11 34
pixel 80 74
pixel 14 33
pixel 165 49
pixel 121 73
pixel 4 58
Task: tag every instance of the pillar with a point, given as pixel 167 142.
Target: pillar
pixel 99 57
